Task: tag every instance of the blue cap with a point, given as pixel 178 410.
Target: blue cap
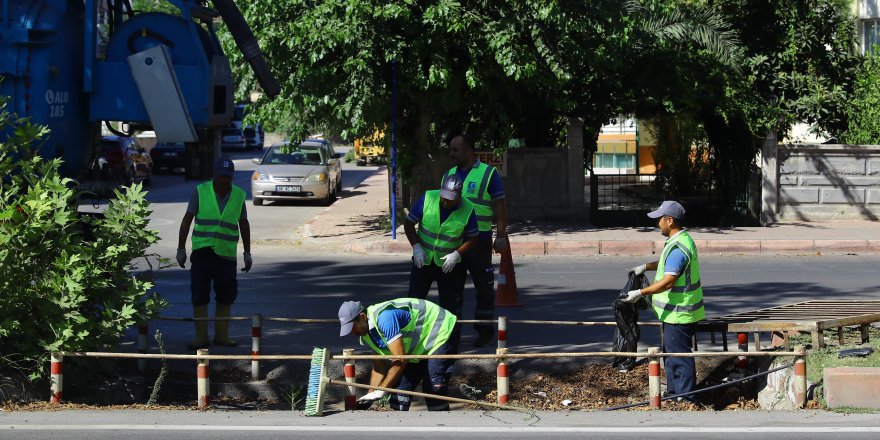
pixel 224 167
pixel 348 313
pixel 670 208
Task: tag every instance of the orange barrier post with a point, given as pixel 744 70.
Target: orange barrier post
pixel 142 345
pixel 800 378
pixel 502 332
pixel 256 336
pixel 506 295
pixel 203 373
pixel 350 373
pixel 56 386
pixel 503 379
pixel 742 362
pixel 654 379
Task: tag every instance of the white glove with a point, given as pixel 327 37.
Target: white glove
pixel 371 396
pixel 418 255
pixel 639 270
pixel 181 257
pixel 248 262
pixel 501 244
pixel 632 296
pixel 450 260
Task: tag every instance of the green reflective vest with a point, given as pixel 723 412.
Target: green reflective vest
pixel 213 228
pixel 429 326
pixel 683 303
pixel 475 189
pixel 437 239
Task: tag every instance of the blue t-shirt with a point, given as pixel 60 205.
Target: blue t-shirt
pixel 472 229
pixel 495 189
pixel 390 322
pixel 676 262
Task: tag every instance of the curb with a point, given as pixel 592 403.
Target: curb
pixel 619 247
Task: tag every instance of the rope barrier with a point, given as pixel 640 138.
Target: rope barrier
pixel 460 321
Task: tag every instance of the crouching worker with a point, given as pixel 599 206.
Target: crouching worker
pixel 404 326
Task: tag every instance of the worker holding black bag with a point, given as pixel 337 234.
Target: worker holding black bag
pixel 676 295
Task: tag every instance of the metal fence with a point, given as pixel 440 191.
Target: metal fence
pixel 621 199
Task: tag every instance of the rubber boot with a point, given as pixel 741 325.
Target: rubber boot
pixel 221 327
pixel 201 340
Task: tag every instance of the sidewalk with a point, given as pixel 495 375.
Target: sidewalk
pixel 359 223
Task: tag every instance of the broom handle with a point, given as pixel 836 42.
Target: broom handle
pixel 418 394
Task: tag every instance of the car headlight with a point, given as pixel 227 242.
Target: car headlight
pixel 258 176
pixel 319 177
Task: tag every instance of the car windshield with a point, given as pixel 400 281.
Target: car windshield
pixel 302 155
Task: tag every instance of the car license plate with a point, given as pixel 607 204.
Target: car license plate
pixel 287 188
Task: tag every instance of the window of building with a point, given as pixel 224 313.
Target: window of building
pixel 870 35
pixel 621 155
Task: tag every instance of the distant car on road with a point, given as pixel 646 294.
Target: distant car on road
pixel 232 137
pixel 254 137
pixel 308 171
pixel 168 156
pixel 125 159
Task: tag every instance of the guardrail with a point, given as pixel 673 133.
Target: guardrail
pixel 501 356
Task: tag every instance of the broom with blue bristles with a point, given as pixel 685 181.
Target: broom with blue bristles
pixel 318 382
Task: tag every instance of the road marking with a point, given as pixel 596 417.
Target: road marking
pixel 455 429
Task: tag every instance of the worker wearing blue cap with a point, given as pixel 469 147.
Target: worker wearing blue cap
pixel 218 208
pixel 676 295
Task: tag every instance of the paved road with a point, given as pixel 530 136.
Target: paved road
pixel 93 425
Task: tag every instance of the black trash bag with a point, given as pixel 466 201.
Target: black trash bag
pixel 626 336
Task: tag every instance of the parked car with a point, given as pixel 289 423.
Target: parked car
pixel 308 171
pixel 125 159
pixel 254 137
pixel 232 137
pixel 168 156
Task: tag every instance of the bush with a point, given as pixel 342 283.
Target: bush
pixel 66 279
pixel 864 110
pixel 349 156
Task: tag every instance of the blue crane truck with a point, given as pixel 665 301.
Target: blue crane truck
pixel 74 64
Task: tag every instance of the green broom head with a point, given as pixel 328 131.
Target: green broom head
pixel 317 383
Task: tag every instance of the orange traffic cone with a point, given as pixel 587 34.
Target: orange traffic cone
pixel 506 294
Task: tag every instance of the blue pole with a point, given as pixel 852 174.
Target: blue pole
pixel 394 149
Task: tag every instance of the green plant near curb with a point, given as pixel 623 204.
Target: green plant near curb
pixel 70 272
pixel 163 373
pixel 295 396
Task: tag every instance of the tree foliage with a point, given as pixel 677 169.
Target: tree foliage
pixel 67 282
pixel 864 111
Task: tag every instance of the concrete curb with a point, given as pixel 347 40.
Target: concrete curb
pixel 617 247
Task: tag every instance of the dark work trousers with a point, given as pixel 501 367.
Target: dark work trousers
pixel 207 268
pixel 432 374
pixel 478 261
pixel 681 372
pixel 448 286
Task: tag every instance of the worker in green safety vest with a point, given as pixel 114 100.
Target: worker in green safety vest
pixel 484 188
pixel 404 326
pixel 220 216
pixel 676 296
pixel 447 231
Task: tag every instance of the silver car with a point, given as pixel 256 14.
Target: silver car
pixel 308 171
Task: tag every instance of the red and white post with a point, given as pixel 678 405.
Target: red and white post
pixel 502 332
pixel 203 374
pixel 654 379
pixel 800 377
pixel 142 345
pixel 56 387
pixel 350 374
pixel 503 380
pixel 256 335
pixel 742 339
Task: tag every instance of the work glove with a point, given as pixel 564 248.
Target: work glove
pixel 181 257
pixel 450 260
pixel 632 296
pixel 501 244
pixel 371 396
pixel 638 270
pixel 418 255
pixel 248 262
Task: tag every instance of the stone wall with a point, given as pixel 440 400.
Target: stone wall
pixel 828 182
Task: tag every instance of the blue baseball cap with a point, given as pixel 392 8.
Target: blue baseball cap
pixel 224 167
pixel 348 313
pixel 670 208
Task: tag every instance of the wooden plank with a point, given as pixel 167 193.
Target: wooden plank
pixel 818 339
pixel 864 329
pixel 854 320
pixel 839 335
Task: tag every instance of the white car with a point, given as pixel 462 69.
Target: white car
pixel 308 171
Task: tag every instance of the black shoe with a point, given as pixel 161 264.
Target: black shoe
pixel 484 340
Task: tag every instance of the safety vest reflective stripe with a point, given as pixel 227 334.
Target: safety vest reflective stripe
pixel 688 287
pixel 439 239
pixel 217 235
pixel 221 223
pixel 686 308
pixel 479 175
